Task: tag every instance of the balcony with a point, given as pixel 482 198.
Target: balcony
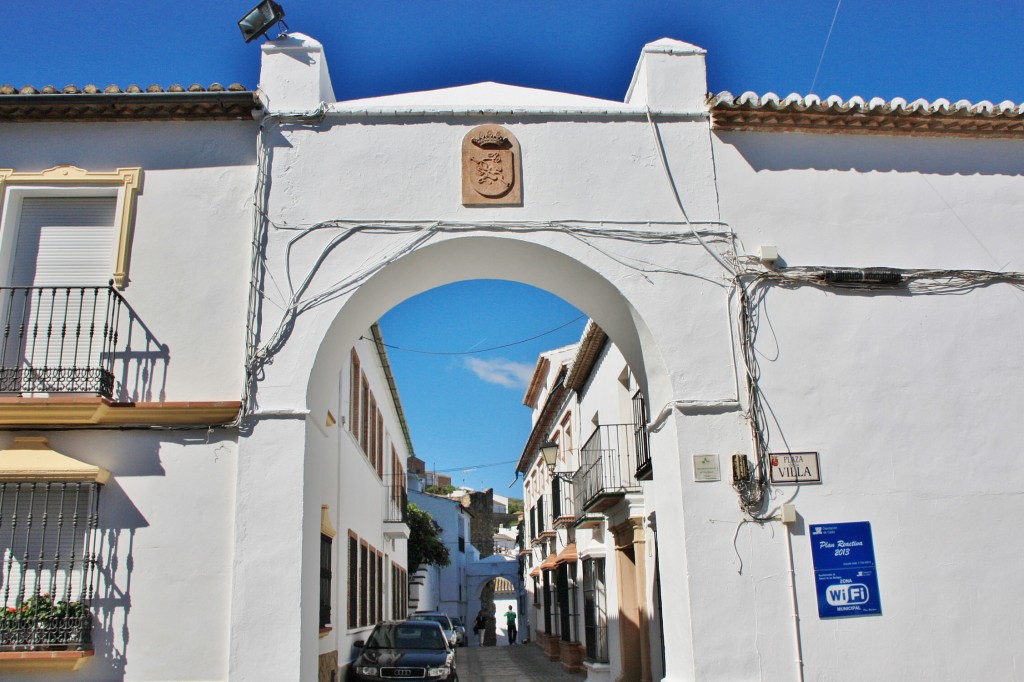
pixel 607 472
pixel 59 340
pixel 80 356
pixel 562 514
pixel 396 513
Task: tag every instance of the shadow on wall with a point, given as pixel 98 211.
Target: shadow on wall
pixel 140 362
pixel 119 521
pixel 879 153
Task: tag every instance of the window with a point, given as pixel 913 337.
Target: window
pixel 567 431
pixel 556 497
pixel 355 373
pixel 327 534
pixel 644 468
pixel 380 587
pixel 555 600
pixel 595 610
pixel 364 407
pixel 48 549
pixel 371 440
pixel 364 584
pixel 378 450
pixel 399 592
pixel 118 189
pixel 547 587
pixel 325 581
pixel 66 233
pixel 372 590
pixel 565 611
pixel 353 580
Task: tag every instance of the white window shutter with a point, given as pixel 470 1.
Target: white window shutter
pixel 65 241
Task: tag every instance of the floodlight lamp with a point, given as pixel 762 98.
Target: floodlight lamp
pixel 260 19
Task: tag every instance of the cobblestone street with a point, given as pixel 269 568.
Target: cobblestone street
pixel 520 663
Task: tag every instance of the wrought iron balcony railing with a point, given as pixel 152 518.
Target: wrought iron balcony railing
pixel 59 339
pixel 608 469
pixel 396 505
pixel 562 503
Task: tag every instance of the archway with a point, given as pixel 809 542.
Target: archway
pixel 604 288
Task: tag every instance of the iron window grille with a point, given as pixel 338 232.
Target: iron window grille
pixel 49 545
pixel 595 610
pixel 325 580
pixel 353 581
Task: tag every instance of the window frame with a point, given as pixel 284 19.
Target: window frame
pixel 71 181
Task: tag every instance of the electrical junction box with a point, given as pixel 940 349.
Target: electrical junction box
pixel 767 254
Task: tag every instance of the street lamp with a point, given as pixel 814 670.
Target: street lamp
pixel 549 451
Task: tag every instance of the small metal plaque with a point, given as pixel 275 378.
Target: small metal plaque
pixel 705 468
pixel 794 468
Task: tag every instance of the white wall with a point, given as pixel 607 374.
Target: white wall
pixel 911 400
pixel 165 540
pixel 167 516
pixel 345 479
pixel 188 277
pixel 449 593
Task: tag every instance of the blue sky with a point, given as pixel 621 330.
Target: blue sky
pixel 907 48
pixel 466 409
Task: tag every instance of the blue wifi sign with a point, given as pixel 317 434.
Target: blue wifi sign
pixel 844 570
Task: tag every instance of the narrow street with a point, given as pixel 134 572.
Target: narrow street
pixel 520 663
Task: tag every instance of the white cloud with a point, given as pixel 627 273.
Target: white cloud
pixel 502 372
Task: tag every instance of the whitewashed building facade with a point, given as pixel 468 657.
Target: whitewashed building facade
pixel 591 581
pixel 839 279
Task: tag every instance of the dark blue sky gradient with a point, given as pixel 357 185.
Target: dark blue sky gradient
pixel 909 48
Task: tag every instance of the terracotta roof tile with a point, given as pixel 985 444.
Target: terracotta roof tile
pixel 751 111
pixel 90 103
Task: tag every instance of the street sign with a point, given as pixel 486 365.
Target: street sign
pixel 792 468
pixel 844 570
pixel 705 468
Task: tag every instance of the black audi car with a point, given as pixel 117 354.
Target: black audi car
pixel 406 650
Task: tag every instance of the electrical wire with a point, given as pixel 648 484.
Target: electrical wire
pixel 749 279
pixel 824 48
pixel 486 350
pixel 476 466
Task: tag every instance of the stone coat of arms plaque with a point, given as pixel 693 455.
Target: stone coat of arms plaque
pixel 491 168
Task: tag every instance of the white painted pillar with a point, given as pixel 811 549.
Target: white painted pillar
pixel 266 628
